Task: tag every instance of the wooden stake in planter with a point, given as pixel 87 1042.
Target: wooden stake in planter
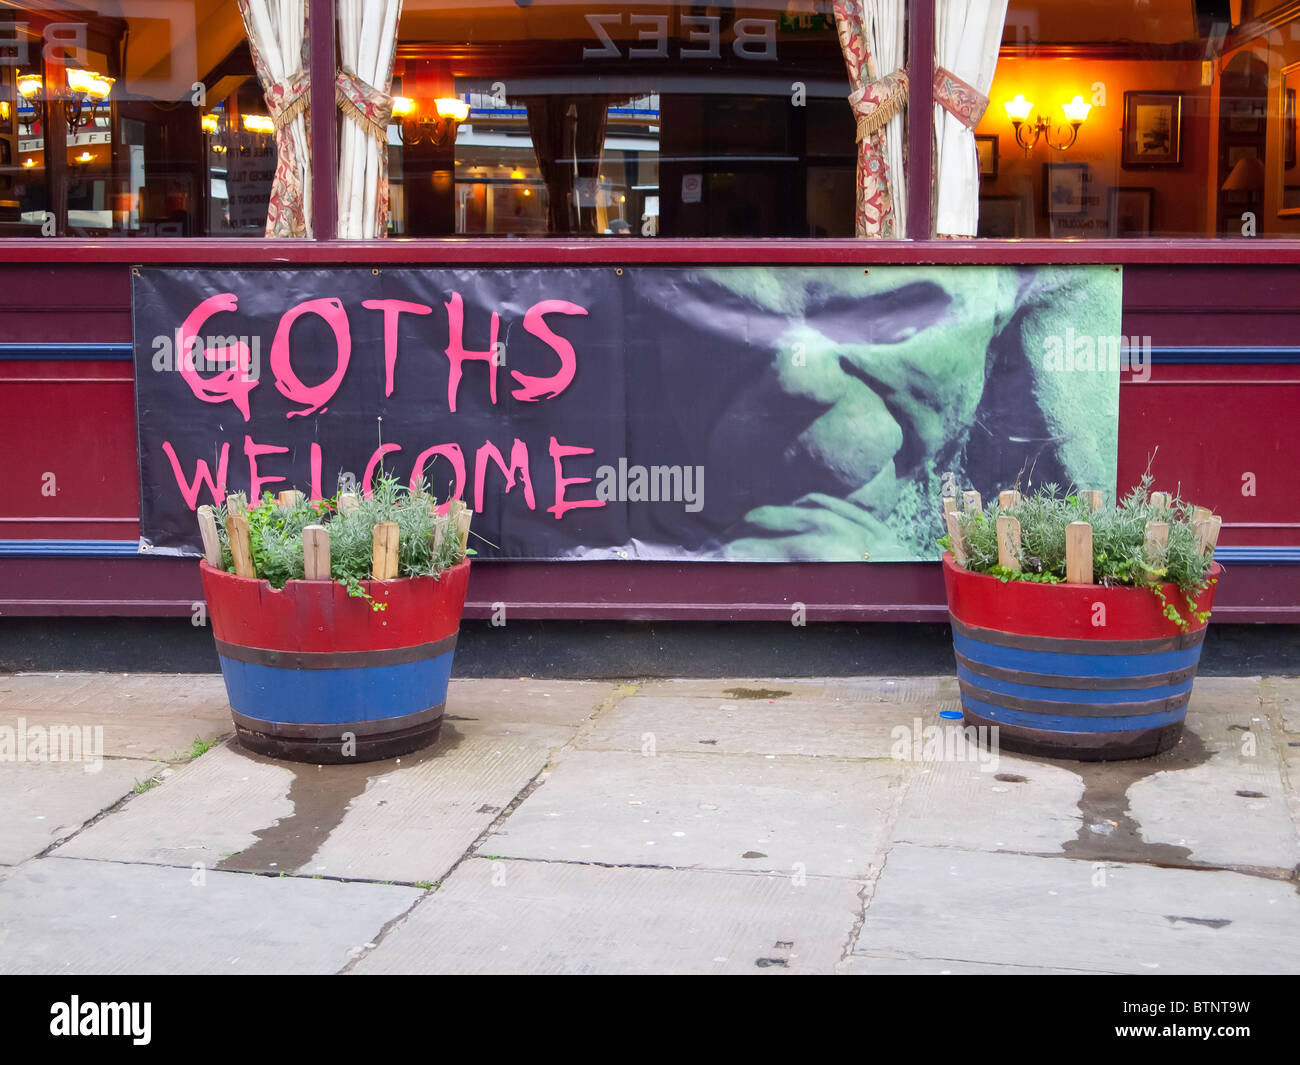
pixel 348 502
pixel 289 498
pixel 241 549
pixel 1201 514
pixel 950 505
pixel 1008 542
pixel 1154 549
pixel 954 534
pixel 316 553
pixel 1160 500
pixel 383 563
pixel 1092 497
pixel 208 530
pixel 1078 553
pixel 1008 499
pixel 971 501
pixel 1207 533
pixel 462 527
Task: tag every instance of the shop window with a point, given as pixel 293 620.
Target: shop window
pixel 1183 114
pixel 561 118
pixel 131 119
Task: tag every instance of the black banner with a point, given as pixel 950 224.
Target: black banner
pixel 753 413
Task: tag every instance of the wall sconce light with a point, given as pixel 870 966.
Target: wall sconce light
pixel 210 124
pixel 438 128
pixel 257 123
pixel 1028 135
pixel 83 87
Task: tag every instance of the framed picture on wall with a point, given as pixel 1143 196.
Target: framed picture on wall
pixel 986 147
pixel 1288 128
pixel 1129 211
pixel 1064 188
pixel 1153 129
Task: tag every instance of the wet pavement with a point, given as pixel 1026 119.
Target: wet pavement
pixel 701 826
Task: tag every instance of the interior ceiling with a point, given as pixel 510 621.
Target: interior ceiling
pixel 1100 21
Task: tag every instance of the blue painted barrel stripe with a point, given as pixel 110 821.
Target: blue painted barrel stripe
pixel 1083 696
pixel 1075 665
pixel 336 696
pixel 1049 724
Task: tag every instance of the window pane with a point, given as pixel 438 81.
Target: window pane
pixel 668 119
pixel 131 118
pixel 1190 130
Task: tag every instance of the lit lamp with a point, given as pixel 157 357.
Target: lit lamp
pixel 83 87
pixel 436 122
pixel 1246 176
pixel 209 124
pixel 1028 135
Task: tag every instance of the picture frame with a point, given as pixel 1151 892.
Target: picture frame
pixel 986 148
pixel 1000 217
pixel 1130 210
pixel 1153 130
pixel 1065 188
pixel 1288 128
pixel 1288 176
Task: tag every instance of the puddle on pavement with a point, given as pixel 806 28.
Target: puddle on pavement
pixel 1108 832
pixel 321 796
pixel 755 693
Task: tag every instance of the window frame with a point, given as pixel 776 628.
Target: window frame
pixel 326 248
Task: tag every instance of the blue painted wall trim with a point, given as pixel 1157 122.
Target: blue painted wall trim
pixel 66 352
pixel 69 548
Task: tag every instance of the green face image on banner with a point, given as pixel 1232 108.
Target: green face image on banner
pixel 997 375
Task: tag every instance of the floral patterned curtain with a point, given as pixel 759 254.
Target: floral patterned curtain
pixel 279 39
pixel 871 37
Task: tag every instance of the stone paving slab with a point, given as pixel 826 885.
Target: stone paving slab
pixel 933 904
pixel 1233 808
pixel 866 965
pixel 960 804
pixel 546 712
pixel 154 716
pixel 413 824
pixel 837 726
pixel 712 811
pixel 209 809
pixel 60 915
pixel 401 820
pixel 41 802
pixel 904 690
pixel 551 918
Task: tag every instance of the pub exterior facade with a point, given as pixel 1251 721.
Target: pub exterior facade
pixel 698 306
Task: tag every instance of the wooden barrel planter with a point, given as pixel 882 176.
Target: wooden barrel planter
pixel 1075 671
pixel 314 675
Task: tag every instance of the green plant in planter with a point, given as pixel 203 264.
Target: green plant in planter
pixel 428 543
pixel 1123 554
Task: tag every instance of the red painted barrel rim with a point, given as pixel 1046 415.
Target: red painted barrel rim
pixel 1068 611
pixel 320 617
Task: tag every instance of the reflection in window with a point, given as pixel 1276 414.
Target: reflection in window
pixel 131 120
pixel 1183 121
pixel 678 120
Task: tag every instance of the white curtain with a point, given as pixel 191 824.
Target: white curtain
pixel 886 38
pixel 967 36
pixel 278 38
pixel 367 46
